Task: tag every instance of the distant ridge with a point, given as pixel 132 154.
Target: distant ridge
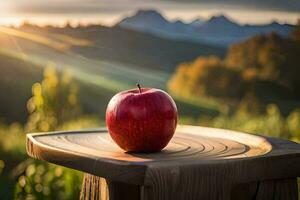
pixel 153 22
pixel 218 30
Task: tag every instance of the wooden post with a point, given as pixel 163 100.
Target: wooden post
pixel 199 163
pixel 97 188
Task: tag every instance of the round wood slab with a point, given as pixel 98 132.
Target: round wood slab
pixel 192 148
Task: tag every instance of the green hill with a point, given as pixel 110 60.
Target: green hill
pixel 131 47
pixel 96 56
pixel 16 77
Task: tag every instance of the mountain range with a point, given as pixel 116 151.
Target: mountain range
pixel 218 30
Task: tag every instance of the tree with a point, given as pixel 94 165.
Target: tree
pixel 244 54
pixel 269 58
pixel 264 67
pixel 295 35
pixel 206 76
pixel 263 53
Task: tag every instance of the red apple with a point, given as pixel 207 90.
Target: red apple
pixel 141 120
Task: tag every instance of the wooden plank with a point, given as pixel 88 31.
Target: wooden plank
pixel 199 162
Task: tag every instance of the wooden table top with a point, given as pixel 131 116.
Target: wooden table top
pixel 208 150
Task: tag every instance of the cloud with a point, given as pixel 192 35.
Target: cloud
pixel 285 5
pixel 94 6
pixel 78 6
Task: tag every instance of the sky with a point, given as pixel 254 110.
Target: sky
pixel 108 12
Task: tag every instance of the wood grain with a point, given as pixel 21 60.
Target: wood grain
pixel 96 188
pixel 264 190
pixel 198 163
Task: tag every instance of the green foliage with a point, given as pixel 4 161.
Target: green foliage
pixel 53 106
pixel 293 124
pixel 12 141
pixel 12 152
pixel 46 181
pixel 272 123
pixel 54 101
pixel 32 179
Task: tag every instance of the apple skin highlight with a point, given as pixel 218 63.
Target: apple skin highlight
pixel 141 120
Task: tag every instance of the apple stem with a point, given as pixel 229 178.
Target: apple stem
pixel 140 89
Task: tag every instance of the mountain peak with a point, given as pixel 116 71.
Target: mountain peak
pixel 144 18
pixel 220 18
pixel 149 15
pixel 149 12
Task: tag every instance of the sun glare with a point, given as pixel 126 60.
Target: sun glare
pixel 7 14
